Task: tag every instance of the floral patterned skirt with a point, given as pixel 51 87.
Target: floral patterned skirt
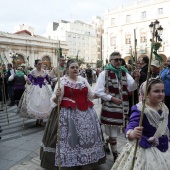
pixel 146 159
pixel 81 140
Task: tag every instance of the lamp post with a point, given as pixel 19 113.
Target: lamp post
pixel 156 31
pixel 65 57
pixel 14 56
pixel 77 56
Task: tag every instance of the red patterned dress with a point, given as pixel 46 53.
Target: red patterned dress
pixel 81 142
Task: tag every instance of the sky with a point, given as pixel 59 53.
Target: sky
pixel 38 13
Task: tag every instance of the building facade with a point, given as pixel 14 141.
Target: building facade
pixel 80 37
pixel 25 47
pixel 121 22
pixel 98 24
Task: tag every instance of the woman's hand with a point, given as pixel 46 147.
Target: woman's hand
pixel 58 92
pixel 136 74
pixel 95 96
pixel 28 81
pixel 136 133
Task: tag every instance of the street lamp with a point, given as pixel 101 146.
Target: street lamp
pixel 14 56
pixel 65 57
pixel 156 30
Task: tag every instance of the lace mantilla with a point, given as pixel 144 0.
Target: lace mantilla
pixel 33 73
pixel 160 122
pixel 48 149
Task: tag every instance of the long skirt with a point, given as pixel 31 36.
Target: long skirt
pixel 81 141
pixel 35 102
pixel 146 159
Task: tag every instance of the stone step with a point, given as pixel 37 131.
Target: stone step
pixel 15 128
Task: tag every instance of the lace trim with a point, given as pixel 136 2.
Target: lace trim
pixel 160 122
pixel 48 149
pixel 37 114
pixel 76 85
pixel 68 99
pixel 33 73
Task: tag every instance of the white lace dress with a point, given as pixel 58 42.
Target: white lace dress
pixel 35 102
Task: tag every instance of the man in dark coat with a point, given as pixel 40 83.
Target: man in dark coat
pixel 144 69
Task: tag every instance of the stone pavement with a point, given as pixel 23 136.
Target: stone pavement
pixel 21 152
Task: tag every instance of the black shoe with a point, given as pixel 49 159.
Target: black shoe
pixel 1 109
pixel 106 148
pixel 37 122
pixel 115 155
pixel 42 123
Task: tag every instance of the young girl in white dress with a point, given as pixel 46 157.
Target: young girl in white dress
pixel 153 151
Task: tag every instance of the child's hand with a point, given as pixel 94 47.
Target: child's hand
pixel 137 132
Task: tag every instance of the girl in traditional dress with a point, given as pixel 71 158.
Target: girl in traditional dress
pixel 35 103
pixel 153 151
pixel 81 142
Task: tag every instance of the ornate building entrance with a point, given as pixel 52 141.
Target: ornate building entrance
pixel 18 60
pixel 46 62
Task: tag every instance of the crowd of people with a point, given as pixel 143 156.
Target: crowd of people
pixel 121 88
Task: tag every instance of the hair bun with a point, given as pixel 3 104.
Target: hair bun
pixel 36 61
pixel 70 61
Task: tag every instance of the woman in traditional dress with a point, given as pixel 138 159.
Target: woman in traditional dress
pixel 81 142
pixel 35 103
pixel 19 79
pixel 153 151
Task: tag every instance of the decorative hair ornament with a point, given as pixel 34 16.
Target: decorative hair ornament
pixel 143 85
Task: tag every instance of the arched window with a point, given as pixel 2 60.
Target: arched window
pixel 46 61
pixel 18 60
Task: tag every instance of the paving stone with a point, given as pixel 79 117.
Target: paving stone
pixel 30 145
pixel 15 155
pixel 5 149
pixel 13 143
pixel 26 166
pixel 6 164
